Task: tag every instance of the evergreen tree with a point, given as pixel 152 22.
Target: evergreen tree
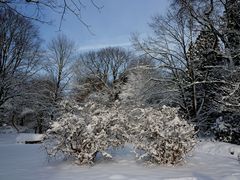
pixel 204 58
pixel 232 18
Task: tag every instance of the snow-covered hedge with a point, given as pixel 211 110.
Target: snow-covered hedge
pixel 159 135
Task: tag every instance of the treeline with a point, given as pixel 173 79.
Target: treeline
pixel 191 62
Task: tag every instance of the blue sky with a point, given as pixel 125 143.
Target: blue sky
pixel 112 26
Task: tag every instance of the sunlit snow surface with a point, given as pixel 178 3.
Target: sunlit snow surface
pixel 210 161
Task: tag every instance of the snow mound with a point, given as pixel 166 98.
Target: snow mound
pixel 219 149
pixel 26 137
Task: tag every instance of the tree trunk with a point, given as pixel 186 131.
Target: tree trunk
pixel 13 122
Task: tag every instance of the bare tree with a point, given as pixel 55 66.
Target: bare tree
pixel 39 7
pixel 169 47
pixel 103 70
pixel 36 106
pixel 19 54
pixel 60 56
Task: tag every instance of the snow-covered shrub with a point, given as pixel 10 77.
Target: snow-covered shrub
pixel 161 136
pixel 157 135
pixel 84 133
pixel 98 97
pixel 227 129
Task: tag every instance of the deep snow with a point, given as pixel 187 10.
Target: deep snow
pixel 209 161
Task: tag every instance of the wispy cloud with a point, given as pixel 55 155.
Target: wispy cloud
pixel 106 41
pixel 102 45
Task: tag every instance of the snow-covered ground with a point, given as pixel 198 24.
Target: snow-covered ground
pixel 27 137
pixel 210 161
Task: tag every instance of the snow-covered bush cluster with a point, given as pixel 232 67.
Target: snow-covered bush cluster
pixel 162 137
pixel 85 132
pixel 158 135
